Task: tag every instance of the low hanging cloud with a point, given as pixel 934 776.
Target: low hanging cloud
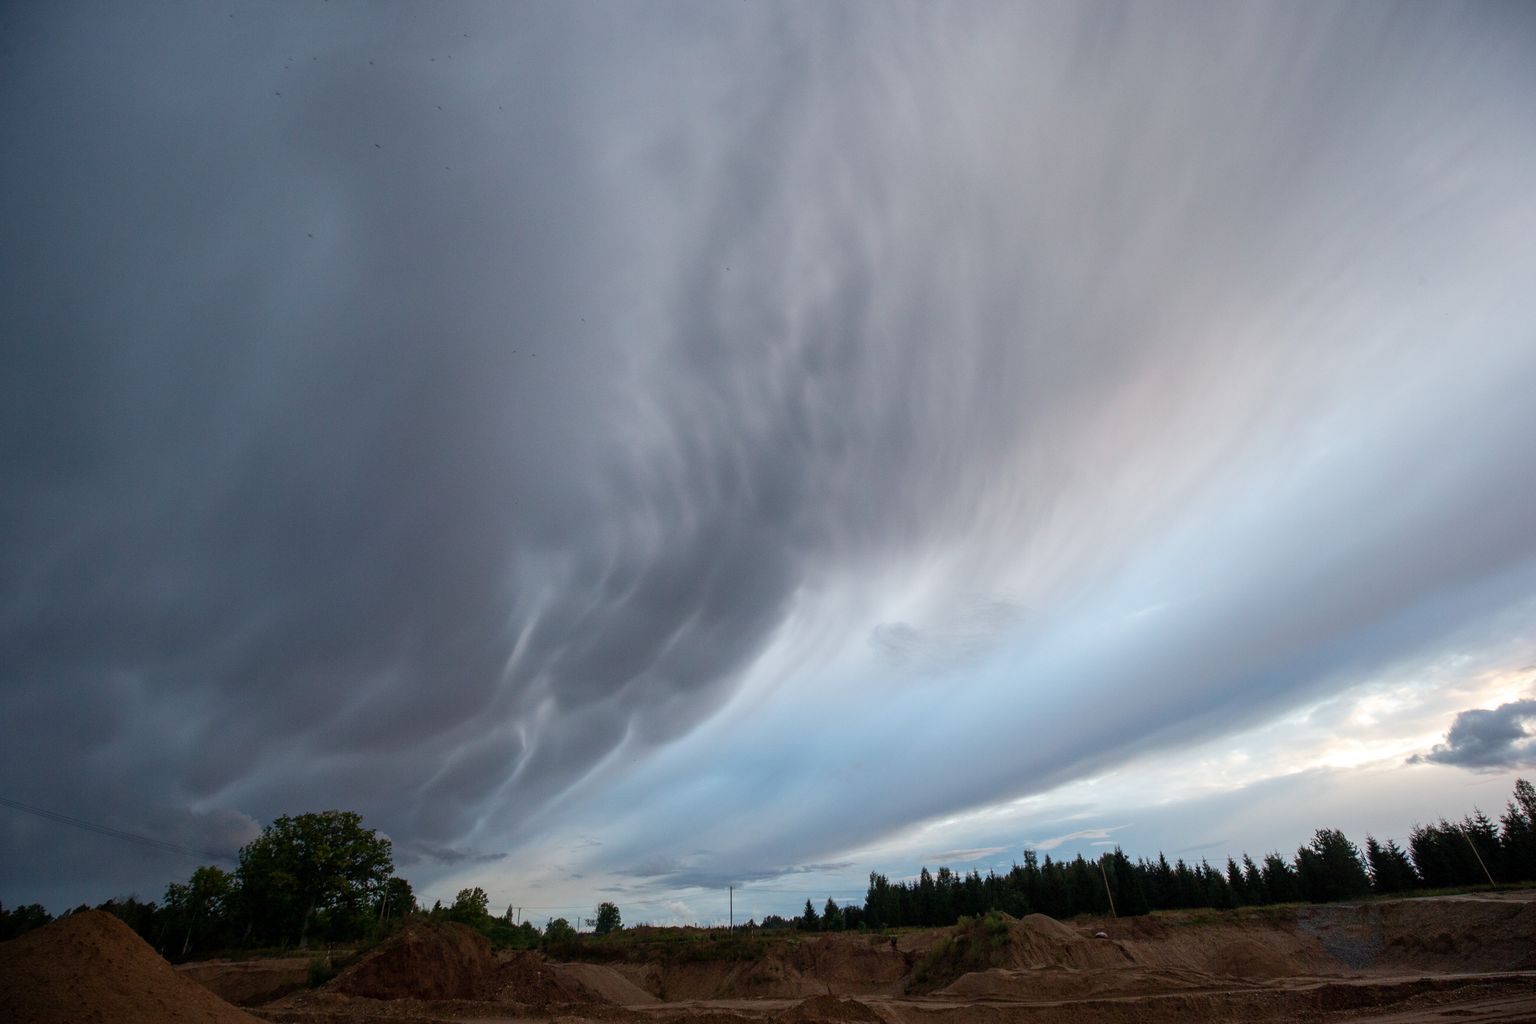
pixel 1486 739
pixel 1104 834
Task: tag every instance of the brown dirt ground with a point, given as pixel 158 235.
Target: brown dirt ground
pixel 835 1009
pixel 90 966
pixel 1471 960
pixel 249 982
pixel 425 961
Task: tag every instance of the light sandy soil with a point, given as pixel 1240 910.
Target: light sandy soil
pixel 1421 961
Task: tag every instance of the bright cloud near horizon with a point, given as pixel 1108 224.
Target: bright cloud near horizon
pixel 631 451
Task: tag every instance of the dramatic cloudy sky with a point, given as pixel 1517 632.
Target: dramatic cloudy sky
pixel 626 450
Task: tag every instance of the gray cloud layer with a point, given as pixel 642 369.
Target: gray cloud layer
pixel 423 412
pixel 1481 738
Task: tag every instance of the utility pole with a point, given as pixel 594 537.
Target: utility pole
pixel 1468 837
pixel 1105 876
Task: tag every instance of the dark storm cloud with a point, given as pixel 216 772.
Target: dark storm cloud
pixel 316 428
pixel 417 852
pixel 435 426
pixel 1494 739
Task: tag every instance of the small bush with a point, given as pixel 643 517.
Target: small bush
pixel 976 944
pixel 321 970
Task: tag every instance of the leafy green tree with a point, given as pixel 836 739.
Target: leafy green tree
pixel 558 930
pixel 324 864
pixel 831 917
pixel 471 907
pixel 607 919
pixel 809 922
pixel 204 906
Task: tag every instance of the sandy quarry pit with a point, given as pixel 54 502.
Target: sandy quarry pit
pixel 1462 959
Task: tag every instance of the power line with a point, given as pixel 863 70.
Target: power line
pixel 114 833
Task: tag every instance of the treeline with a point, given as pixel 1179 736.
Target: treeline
pixel 1446 854
pixel 323 877
pixel 319 877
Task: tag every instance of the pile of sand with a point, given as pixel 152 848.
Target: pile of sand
pixel 608 984
pixel 425 961
pixel 1037 941
pixel 835 1009
pixel 90 966
pixel 524 977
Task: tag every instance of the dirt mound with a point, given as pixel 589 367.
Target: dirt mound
pixel 608 983
pixel 829 1008
pixel 1038 941
pixel 1046 929
pixel 523 977
pixel 91 966
pixel 425 961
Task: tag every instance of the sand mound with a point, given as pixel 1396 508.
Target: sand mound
pixel 608 984
pixel 1047 929
pixel 524 977
pixel 91 966
pixel 1038 941
pixel 425 961
pixel 829 1008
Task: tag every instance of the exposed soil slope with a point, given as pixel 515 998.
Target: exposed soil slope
pixel 425 961
pixel 90 966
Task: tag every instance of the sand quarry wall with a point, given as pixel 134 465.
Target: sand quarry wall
pixel 1447 933
pixel 830 965
pixel 90 966
pixel 1166 953
pixel 1163 953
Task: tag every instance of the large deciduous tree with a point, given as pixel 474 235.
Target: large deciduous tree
pixel 321 864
